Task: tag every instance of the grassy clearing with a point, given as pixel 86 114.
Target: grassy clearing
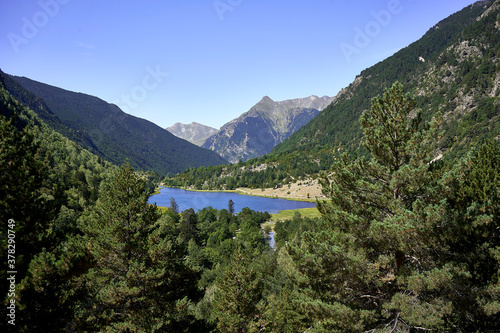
pixel 162 209
pixel 288 214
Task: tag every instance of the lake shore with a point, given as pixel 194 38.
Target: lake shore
pixel 308 190
pixel 278 193
pixel 209 198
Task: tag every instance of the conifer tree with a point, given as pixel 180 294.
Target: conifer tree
pixel 174 206
pixel 237 294
pixel 27 199
pixel 230 208
pixel 405 245
pixel 360 271
pixel 139 280
pixel 25 195
pixel 467 233
pixel 187 225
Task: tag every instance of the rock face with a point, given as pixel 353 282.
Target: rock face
pixel 194 132
pixel 256 132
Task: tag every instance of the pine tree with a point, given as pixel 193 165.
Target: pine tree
pixel 187 225
pixel 174 206
pixel 27 199
pixel 407 242
pixel 369 265
pixel 467 225
pixel 238 291
pixel 25 195
pixel 230 208
pixel 139 280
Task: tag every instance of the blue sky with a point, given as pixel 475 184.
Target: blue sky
pixel 207 61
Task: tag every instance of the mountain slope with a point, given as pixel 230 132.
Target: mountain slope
pixel 27 98
pixel 194 132
pixel 266 124
pixel 460 78
pixel 454 68
pixel 115 135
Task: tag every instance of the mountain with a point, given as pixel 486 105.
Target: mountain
pixel 194 132
pixel 106 130
pixel 30 100
pixel 266 124
pixel 453 68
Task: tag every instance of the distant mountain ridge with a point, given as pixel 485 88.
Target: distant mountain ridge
pixel 106 130
pixel 195 133
pixel 453 69
pixel 256 132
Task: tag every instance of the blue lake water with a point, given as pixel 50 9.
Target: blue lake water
pixel 218 200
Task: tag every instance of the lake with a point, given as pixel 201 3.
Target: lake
pixel 218 200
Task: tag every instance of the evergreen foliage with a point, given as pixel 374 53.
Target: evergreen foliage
pixel 48 182
pixel 237 295
pixel 138 280
pixel 406 242
pixel 457 80
pixel 396 250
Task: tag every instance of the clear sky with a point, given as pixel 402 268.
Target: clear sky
pixel 207 61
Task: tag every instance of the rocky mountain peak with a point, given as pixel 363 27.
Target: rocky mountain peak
pixel 265 125
pixel 195 133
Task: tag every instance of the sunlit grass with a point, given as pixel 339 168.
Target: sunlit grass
pixel 288 214
pixel 162 209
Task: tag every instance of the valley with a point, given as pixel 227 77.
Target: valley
pixel 383 201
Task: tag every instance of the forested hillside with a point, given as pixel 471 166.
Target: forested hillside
pixel 454 69
pixel 84 243
pixel 266 124
pixel 404 243
pixel 107 131
pixel 47 183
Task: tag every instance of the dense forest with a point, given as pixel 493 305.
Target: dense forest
pixel 408 239
pixel 405 242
